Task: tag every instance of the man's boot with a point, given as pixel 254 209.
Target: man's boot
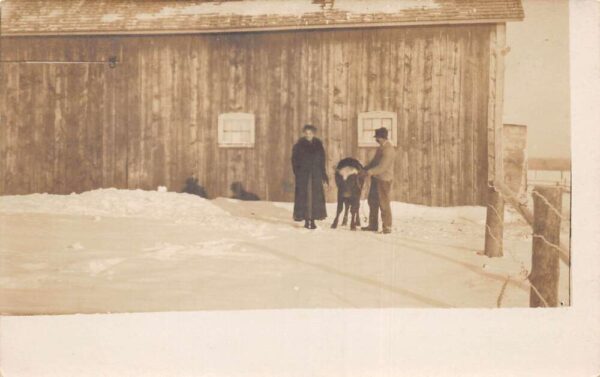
pixel 369 228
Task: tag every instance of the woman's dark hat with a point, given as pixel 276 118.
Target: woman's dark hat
pixel 381 133
pixel 309 127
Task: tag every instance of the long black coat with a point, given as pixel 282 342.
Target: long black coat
pixel 308 163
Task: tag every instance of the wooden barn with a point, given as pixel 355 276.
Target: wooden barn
pixel 138 94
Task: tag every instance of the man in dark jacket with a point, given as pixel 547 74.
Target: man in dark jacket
pixel 308 164
pixel 381 170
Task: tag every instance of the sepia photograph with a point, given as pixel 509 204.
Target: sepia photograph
pixel 201 155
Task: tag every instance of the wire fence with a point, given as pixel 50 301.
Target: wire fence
pixel 550 177
pixel 524 275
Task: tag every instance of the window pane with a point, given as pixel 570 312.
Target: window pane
pixel 236 129
pixel 236 137
pixel 372 121
pixel 238 124
pixel 226 136
pixel 229 126
pixel 244 137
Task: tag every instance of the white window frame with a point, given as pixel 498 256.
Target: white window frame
pixel 236 116
pixel 370 141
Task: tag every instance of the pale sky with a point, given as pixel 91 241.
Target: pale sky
pixel 537 77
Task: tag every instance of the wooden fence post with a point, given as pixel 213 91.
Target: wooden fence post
pixel 494 223
pixel 547 204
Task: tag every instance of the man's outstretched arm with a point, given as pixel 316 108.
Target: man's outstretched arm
pixel 387 159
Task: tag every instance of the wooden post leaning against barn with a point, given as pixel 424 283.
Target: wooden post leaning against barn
pixel 494 223
pixel 547 204
pixel 514 158
pixel 514 170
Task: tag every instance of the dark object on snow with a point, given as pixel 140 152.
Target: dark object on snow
pixel 308 164
pixel 192 187
pixel 238 191
pixel 349 182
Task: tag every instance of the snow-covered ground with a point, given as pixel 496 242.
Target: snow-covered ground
pixel 131 250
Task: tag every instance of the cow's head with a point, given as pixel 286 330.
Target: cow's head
pixel 349 181
pixel 347 171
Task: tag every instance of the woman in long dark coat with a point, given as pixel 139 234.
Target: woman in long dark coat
pixel 308 163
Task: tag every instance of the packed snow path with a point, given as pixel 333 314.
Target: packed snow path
pixel 121 251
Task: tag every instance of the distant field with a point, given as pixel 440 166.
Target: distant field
pixel 549 171
pixel 563 164
pixel 553 172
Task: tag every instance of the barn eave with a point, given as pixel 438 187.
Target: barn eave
pixel 250 29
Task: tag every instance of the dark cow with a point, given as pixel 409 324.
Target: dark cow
pixel 349 185
pixel 192 187
pixel 239 192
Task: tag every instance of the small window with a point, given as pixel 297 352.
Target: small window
pixel 370 121
pixel 236 130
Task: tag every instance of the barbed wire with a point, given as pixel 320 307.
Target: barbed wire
pixel 502 290
pixel 489 231
pixel 524 272
pixel 525 279
pixel 496 212
pixel 537 293
pixel 563 253
pixel 550 206
pixel 553 245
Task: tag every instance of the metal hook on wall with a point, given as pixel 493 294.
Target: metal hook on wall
pixel 112 61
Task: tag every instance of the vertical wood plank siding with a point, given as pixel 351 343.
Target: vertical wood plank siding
pixel 152 120
pixel 495 103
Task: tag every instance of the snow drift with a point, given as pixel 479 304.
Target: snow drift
pixel 115 203
pixel 180 206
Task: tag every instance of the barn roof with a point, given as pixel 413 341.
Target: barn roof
pixel 43 17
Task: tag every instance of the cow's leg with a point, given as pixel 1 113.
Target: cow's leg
pixel 340 206
pixel 358 213
pixel 354 214
pixel 346 208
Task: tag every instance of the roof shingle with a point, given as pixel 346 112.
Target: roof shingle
pixel 39 17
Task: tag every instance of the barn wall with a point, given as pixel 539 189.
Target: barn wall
pixel 152 120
